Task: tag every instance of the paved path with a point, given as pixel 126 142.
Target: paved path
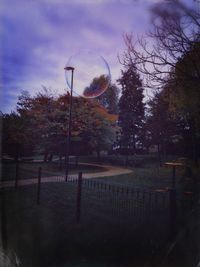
pixel 110 171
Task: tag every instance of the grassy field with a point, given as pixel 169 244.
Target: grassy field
pixel 144 177
pixel 47 235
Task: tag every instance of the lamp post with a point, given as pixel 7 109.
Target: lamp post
pixel 69 122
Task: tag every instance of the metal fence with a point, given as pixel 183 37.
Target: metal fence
pixel 159 209
pixel 121 201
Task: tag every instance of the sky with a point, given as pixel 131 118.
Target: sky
pixel 39 37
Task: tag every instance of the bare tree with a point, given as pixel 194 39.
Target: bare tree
pixel 175 31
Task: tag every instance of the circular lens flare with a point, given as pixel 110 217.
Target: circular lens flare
pixel 91 74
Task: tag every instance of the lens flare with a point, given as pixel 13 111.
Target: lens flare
pixel 91 74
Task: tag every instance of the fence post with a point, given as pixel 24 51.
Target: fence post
pixel 38 185
pixel 78 201
pixel 172 211
pixel 3 219
pixel 16 173
pixel 173 176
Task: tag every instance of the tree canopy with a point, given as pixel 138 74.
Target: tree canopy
pixel 47 122
pixel 168 59
pixel 175 32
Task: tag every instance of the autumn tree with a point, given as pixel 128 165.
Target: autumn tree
pixel 48 117
pixel 101 129
pixel 40 110
pixel 16 136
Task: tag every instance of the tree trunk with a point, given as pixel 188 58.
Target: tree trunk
pixel 134 144
pixel 98 154
pixel 50 157
pixel 76 161
pixel 60 161
pixel 159 156
pixel 195 149
pixel 126 159
pixel 164 149
pixel 45 156
pixel 17 152
pixel 194 143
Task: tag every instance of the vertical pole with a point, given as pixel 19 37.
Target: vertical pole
pixel 39 183
pixel 172 211
pixel 78 202
pixel 16 173
pixel 3 223
pixel 173 176
pixel 76 161
pixel 69 127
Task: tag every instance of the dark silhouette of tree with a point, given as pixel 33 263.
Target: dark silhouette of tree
pixel 131 110
pixel 184 95
pixel 175 31
pixel 163 128
pixel 168 58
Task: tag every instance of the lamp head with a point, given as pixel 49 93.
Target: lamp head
pixel 69 68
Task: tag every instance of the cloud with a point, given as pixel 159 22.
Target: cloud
pixel 39 36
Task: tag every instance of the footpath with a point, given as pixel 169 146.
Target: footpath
pixel 110 171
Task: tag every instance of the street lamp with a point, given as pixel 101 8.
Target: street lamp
pixel 69 122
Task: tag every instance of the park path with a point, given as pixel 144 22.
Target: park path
pixel 110 171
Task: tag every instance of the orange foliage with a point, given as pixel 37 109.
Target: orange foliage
pixel 103 111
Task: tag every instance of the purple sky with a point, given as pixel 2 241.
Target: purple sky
pixel 38 37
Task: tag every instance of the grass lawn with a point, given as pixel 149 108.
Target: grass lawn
pixel 47 235
pixel 144 177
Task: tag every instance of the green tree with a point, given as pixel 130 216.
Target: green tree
pixel 97 85
pixel 164 129
pixel 169 57
pixel 131 109
pixel 109 99
pixel 184 94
